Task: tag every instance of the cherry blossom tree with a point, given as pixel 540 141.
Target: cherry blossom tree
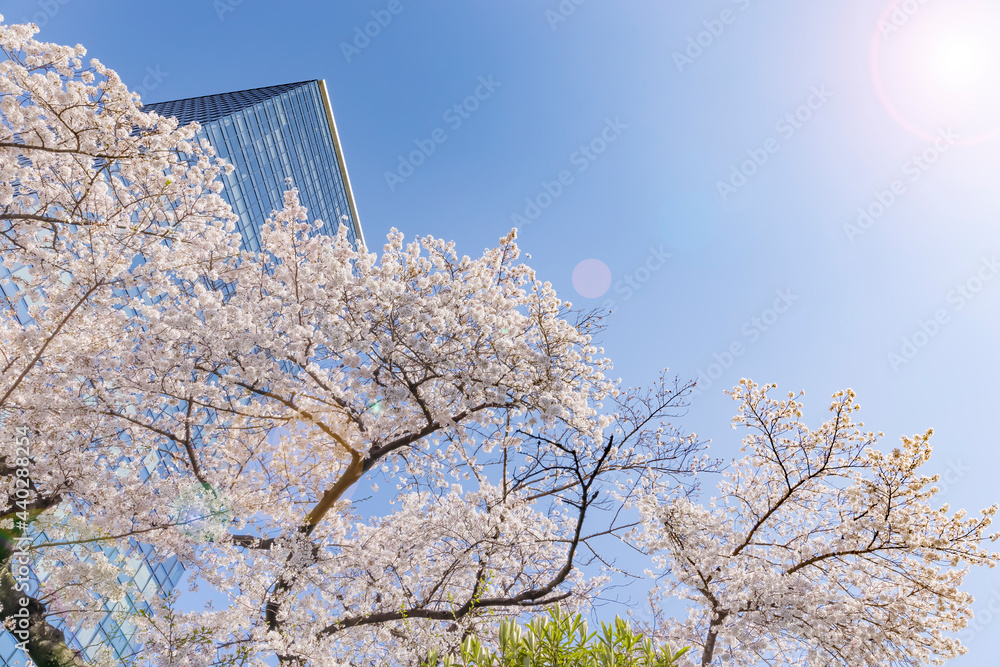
pixel 97 202
pixel 819 550
pixel 221 406
pixel 359 457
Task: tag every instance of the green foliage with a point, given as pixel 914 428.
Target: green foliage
pixel 562 640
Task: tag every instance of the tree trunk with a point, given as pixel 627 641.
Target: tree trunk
pixel 713 633
pixel 46 645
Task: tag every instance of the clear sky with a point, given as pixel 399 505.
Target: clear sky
pixel 800 193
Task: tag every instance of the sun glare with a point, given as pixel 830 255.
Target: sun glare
pixel 938 65
pixel 959 61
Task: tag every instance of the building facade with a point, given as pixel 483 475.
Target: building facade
pixel 269 135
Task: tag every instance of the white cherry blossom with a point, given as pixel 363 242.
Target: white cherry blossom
pixel 819 550
pixel 237 410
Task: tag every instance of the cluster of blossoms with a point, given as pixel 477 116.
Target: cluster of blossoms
pixel 220 406
pixel 820 549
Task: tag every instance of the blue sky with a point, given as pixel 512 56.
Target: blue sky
pixel 811 184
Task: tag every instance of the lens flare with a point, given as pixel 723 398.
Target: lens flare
pixel 591 278
pixel 937 66
pixel 201 512
pixel 958 61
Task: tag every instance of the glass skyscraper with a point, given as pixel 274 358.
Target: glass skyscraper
pixel 269 135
